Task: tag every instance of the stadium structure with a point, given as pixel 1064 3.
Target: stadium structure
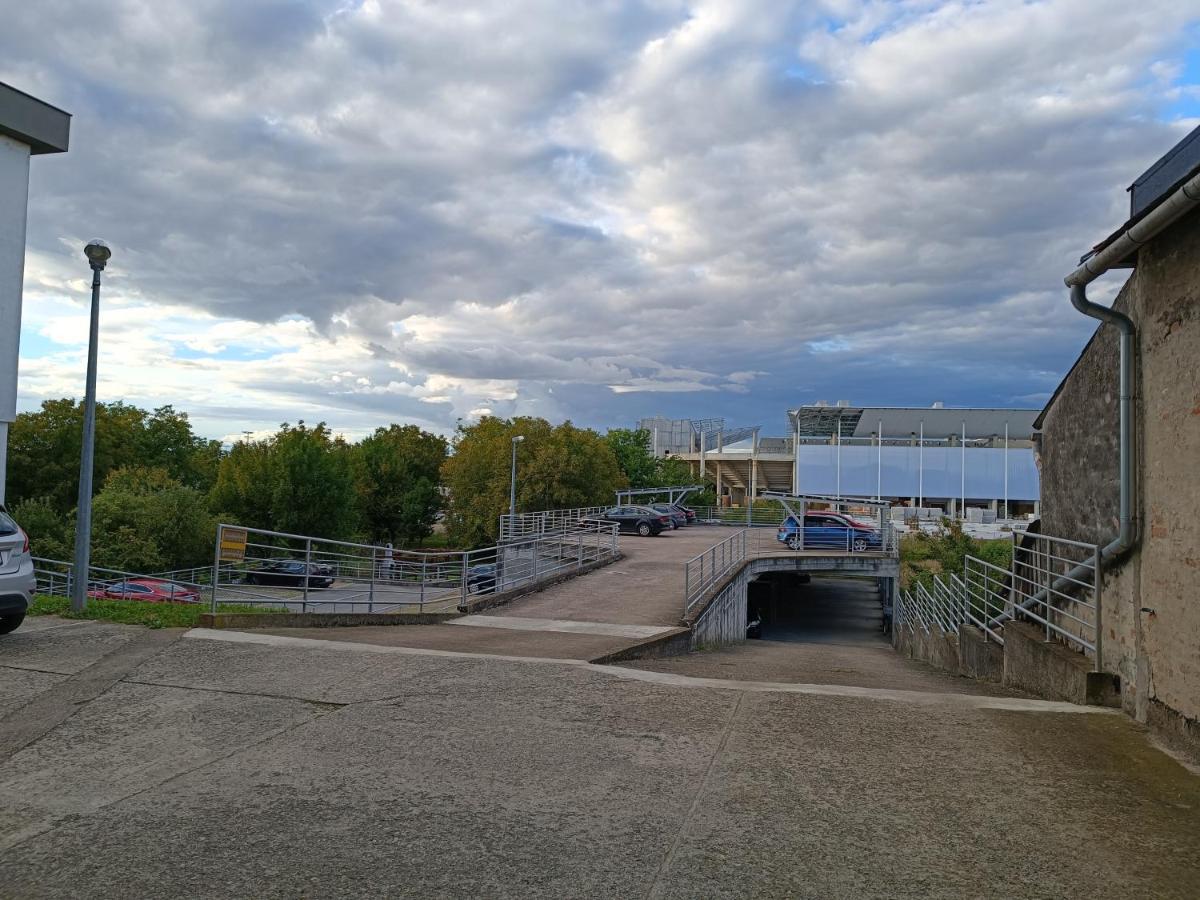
pixel 978 464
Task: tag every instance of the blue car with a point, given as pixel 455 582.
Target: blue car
pixel 829 531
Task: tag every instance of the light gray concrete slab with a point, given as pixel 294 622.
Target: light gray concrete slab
pixel 133 738
pixel 496 777
pixel 563 626
pixel 19 686
pixel 829 799
pixel 59 702
pixel 51 644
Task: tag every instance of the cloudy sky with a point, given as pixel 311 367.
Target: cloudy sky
pixel 381 211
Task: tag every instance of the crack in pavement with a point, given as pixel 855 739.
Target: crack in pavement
pixel 657 886
pixel 30 722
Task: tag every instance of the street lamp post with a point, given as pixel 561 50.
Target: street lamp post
pixel 512 485
pixel 97 253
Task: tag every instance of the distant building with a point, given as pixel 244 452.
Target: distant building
pixel 949 460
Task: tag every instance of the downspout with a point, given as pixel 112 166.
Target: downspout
pixel 1183 200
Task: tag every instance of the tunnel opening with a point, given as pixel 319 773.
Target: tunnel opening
pixel 796 607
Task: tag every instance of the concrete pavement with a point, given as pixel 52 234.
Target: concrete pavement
pixel 262 766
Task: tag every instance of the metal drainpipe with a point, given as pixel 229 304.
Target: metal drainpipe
pixel 1185 199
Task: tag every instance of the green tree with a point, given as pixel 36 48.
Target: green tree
pixel 558 467
pixel 631 447
pixel 396 479
pixel 299 481
pixel 244 485
pixel 44 449
pixel 51 534
pixel 143 520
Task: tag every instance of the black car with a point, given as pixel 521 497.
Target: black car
pixel 637 520
pixel 481 578
pixel 677 516
pixel 290 573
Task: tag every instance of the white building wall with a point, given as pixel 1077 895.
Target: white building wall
pixel 14 201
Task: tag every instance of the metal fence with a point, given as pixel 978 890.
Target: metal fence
pixel 1056 584
pixel 1051 582
pixel 54 578
pixel 704 570
pixel 547 522
pixel 256 567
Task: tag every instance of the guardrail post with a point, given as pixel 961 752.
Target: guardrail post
pixel 579 549
pixel 216 570
pixel 1099 617
pixel 1049 581
pixel 464 578
pixel 307 572
pixel 371 589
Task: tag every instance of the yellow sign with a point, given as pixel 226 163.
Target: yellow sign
pixel 233 544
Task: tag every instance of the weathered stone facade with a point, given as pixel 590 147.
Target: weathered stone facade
pixel 1151 599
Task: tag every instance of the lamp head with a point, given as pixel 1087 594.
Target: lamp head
pixel 97 253
pixel 518 438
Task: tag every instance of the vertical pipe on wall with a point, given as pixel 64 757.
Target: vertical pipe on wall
pixel 839 457
pixel 963 473
pixel 921 466
pixel 879 464
pixel 1006 470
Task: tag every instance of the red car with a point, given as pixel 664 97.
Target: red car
pixel 152 590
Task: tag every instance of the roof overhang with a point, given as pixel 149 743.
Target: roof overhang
pixel 44 128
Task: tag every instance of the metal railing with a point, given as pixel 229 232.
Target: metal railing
pixel 704 570
pixel 535 524
pixel 1055 582
pixel 740 516
pixel 1051 581
pixel 55 576
pixel 987 596
pixel 939 605
pixel 257 567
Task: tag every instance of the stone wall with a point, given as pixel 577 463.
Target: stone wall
pixel 1152 598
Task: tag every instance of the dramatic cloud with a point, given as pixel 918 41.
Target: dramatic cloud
pixel 377 211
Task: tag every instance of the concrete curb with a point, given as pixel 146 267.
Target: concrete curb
pixel 239 621
pixel 676 642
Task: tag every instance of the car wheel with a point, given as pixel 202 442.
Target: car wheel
pixel 860 545
pixel 644 529
pixel 795 543
pixel 11 623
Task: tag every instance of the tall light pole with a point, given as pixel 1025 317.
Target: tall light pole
pixel 512 485
pixel 97 254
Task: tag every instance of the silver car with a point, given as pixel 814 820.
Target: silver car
pixel 17 581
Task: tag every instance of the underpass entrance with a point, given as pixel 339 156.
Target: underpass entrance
pixel 799 607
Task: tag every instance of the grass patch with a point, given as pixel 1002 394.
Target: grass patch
pixel 136 612
pixel 924 555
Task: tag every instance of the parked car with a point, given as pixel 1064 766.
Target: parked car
pixel 290 573
pixel 637 520
pixel 687 511
pixel 677 516
pixel 481 578
pixel 17 581
pixel 825 530
pixel 151 590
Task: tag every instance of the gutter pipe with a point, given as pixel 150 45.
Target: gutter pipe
pixel 1185 199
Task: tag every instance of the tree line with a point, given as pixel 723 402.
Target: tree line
pixel 161 489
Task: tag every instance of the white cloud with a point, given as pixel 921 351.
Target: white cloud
pixel 379 211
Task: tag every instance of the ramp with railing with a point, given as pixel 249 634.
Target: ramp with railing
pixel 258 567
